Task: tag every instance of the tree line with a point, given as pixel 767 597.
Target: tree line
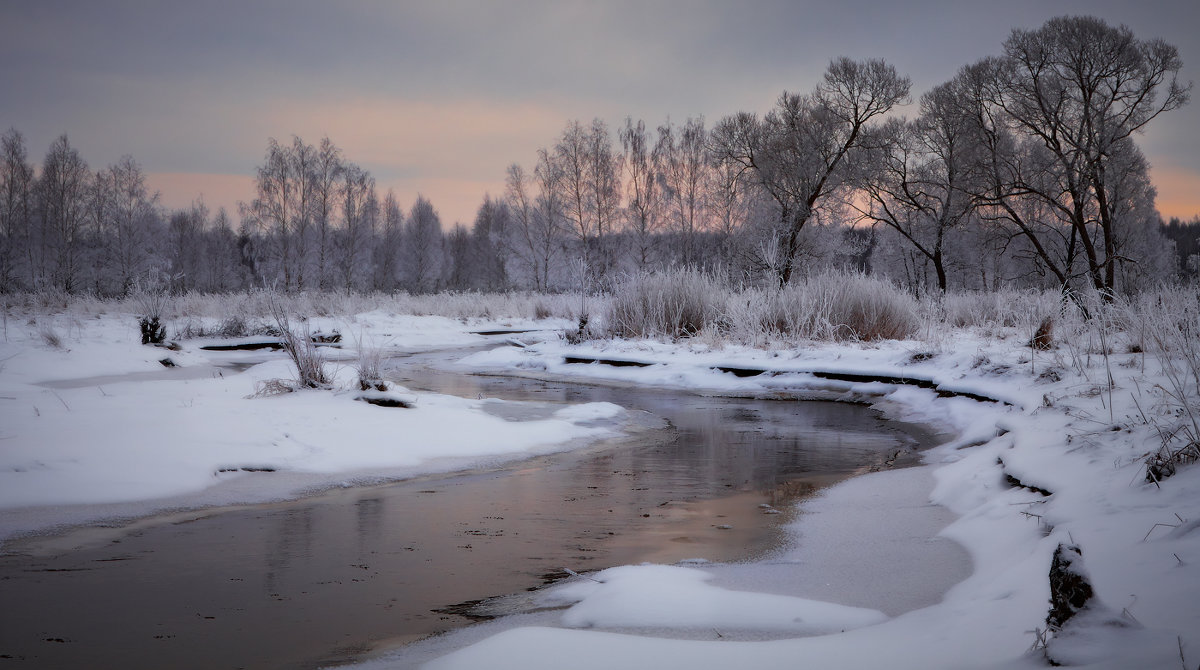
pixel 1021 170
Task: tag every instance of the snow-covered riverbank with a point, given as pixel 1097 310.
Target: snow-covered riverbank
pixel 93 426
pixel 1061 463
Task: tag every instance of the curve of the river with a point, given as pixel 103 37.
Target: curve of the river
pixel 327 579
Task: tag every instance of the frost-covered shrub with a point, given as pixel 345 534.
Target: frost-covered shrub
pixel 675 304
pixel 153 331
pixel 830 306
pixel 299 345
pixel 1168 322
pixel 152 305
pixel 1006 308
pixel 837 306
pixel 50 336
pixel 370 367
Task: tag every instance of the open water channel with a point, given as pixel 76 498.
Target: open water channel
pixel 327 579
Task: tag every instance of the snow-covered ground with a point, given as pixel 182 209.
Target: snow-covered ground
pixel 93 426
pixel 1064 431
pixel 97 427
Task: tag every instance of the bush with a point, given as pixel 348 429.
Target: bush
pixel 152 306
pixel 672 304
pixel 310 365
pixel 1170 325
pixel 822 307
pixel 841 307
pixel 153 332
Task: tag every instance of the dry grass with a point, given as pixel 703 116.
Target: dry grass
pixel 310 365
pixel 50 336
pixel 835 307
pixel 672 304
pixel 843 307
pixel 1167 323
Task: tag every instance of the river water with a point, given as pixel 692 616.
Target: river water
pixel 327 579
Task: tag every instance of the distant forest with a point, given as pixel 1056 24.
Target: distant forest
pixel 1020 171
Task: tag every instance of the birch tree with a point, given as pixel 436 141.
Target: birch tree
pixel 62 207
pixel 17 235
pixel 643 194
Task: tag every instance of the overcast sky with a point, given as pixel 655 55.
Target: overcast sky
pixel 439 97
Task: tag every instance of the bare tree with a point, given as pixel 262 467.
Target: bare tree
pixel 731 205
pixel 273 211
pixel 551 224
pixel 17 243
pixel 328 189
pixel 389 245
pixel 1080 89
pixel 919 177
pixel 643 192
pixel 797 154
pixel 360 209
pixel 572 161
pixel 424 246
pixel 685 175
pixel 604 183
pixel 303 161
pixel 488 252
pixel 62 205
pixel 186 248
pixel 524 231
pixel 134 215
pixel 221 267
pixel 96 243
pixel 458 266
pixel 534 218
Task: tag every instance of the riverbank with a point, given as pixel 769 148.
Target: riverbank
pixel 1062 461
pixel 95 427
pixel 361 566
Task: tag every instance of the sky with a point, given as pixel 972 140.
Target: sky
pixel 438 98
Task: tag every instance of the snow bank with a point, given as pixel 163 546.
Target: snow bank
pixel 1061 461
pixel 89 418
pixel 649 596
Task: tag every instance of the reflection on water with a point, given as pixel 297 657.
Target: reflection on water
pixel 324 579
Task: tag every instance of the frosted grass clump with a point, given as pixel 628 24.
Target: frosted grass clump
pixel 674 304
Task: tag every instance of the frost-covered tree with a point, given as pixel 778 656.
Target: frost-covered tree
pixel 605 167
pixel 388 244
pixel 133 223
pixel 684 178
pixel 572 164
pixel 360 210
pixel 273 212
pixel 589 190
pixel 488 248
pixel 1075 91
pixel 458 271
pixel 643 193
pixel 423 248
pixel 919 175
pixel 18 243
pixel 62 191
pixel 799 154
pixel 221 271
pixel 185 249
pixel 328 172
pixel 537 227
